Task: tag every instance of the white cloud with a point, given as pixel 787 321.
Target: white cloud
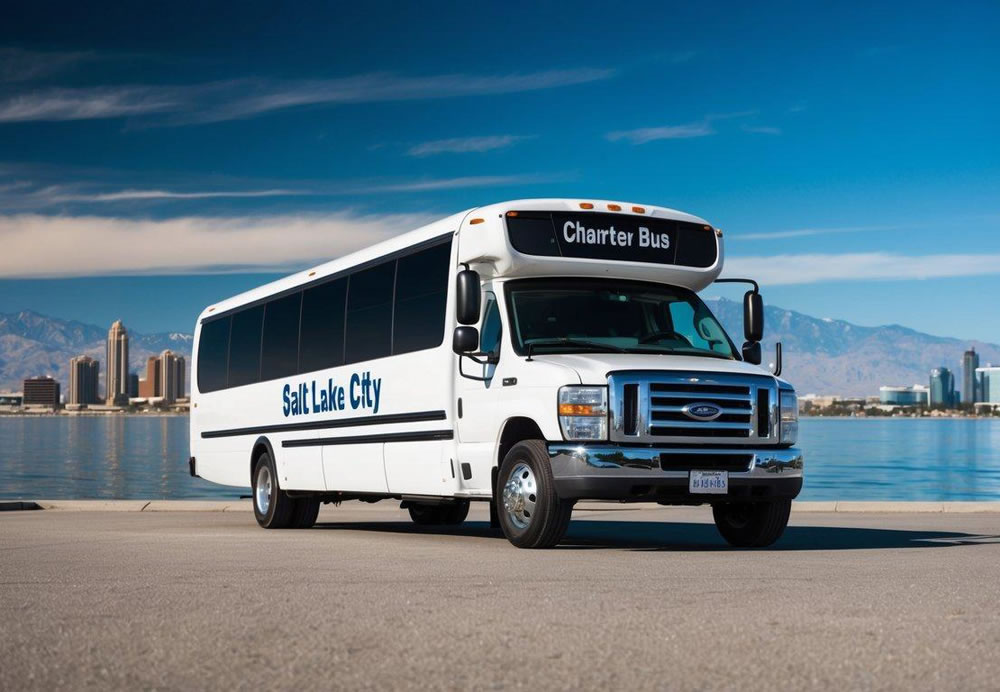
pixel 762 129
pixel 461 182
pixel 650 134
pixel 57 246
pixel 235 99
pixel 701 128
pixel 133 195
pixel 463 145
pixel 19 65
pixel 866 266
pixel 802 232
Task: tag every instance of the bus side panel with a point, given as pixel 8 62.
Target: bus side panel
pixel 419 468
pixel 355 467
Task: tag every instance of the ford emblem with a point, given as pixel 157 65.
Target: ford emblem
pixel 702 411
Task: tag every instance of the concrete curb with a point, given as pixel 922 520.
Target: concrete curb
pixel 853 507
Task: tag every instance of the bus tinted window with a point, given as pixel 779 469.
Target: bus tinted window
pixel 369 313
pixel 421 294
pixel 213 355
pixel 322 333
pixel 244 346
pixel 279 353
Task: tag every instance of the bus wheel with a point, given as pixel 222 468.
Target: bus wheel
pixel 305 513
pixel 271 506
pixel 752 525
pixel 531 514
pixel 428 515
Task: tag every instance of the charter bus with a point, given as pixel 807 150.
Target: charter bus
pixel 527 354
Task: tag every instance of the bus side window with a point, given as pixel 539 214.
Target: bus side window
pixel 489 339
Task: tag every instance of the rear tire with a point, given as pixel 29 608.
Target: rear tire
pixel 451 514
pixel 752 525
pixel 531 514
pixel 271 505
pixel 305 513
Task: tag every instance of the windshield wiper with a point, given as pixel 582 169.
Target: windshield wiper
pixel 561 341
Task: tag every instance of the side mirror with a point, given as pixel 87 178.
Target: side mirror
pixel 753 317
pixel 465 340
pixel 751 352
pixel 467 297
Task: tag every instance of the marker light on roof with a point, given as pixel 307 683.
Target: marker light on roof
pixel 614 207
pixel 473 222
pixel 639 210
pixel 586 205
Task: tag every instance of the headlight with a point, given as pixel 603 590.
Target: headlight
pixel 789 405
pixel 583 413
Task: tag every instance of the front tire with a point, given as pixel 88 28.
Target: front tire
pixel 271 506
pixel 531 513
pixel 752 525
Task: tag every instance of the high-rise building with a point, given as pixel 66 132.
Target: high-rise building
pixel 117 376
pixel 970 387
pixel 41 391
pixel 942 387
pixel 989 384
pixel 164 377
pixel 83 374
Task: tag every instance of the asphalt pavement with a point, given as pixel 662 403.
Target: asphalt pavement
pixel 637 597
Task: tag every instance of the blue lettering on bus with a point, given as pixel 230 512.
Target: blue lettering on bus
pixel 363 392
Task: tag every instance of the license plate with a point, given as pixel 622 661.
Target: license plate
pixel 709 482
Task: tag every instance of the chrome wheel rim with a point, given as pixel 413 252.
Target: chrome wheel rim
pixel 262 493
pixel 519 496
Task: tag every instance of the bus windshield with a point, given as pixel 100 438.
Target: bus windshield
pixel 612 316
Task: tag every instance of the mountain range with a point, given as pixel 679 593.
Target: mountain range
pixel 820 355
pixel 32 344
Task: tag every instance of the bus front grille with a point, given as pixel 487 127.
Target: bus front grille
pixel 707 408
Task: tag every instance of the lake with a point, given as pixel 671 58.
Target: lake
pixel 140 457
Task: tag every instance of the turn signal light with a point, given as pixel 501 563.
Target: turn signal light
pixel 473 222
pixel 512 213
pixel 581 410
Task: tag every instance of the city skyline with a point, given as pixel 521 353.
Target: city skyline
pixel 138 156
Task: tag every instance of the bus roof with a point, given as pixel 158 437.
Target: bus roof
pixel 451 224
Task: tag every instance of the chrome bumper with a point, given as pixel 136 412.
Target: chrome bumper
pixel 607 471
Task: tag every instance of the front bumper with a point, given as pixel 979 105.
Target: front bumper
pixel 660 474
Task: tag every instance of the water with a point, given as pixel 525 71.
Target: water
pixel 139 457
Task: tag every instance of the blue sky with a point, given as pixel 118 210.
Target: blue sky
pixel 156 159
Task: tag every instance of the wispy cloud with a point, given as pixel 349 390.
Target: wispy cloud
pixel 868 266
pixel 246 98
pixel 89 104
pixel 650 134
pixel 26 196
pixel 802 232
pixel 19 65
pixel 136 195
pixel 61 246
pixel 464 145
pixel 762 129
pixel 701 128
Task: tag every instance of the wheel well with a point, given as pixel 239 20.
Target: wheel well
pixel 515 430
pixel 259 447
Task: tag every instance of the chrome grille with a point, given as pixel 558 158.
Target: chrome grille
pixel 659 407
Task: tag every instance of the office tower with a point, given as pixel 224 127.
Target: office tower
pixel 942 387
pixel 989 384
pixel 83 374
pixel 970 389
pixel 149 386
pixel 133 385
pixel 903 396
pixel 164 377
pixel 117 376
pixel 41 391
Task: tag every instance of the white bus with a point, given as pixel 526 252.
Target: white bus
pixel 528 354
